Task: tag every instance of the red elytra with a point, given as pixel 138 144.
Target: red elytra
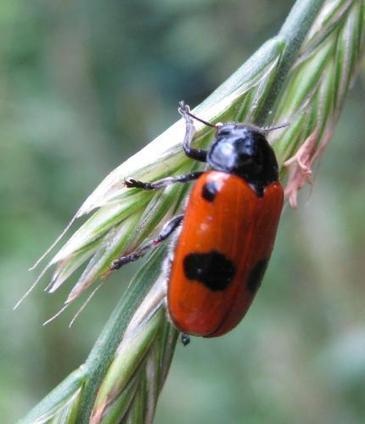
pixel 232 234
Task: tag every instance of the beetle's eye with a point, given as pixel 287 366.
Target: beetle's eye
pixel 224 132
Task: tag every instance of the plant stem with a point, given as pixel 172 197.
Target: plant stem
pixel 104 349
pixel 64 390
pixel 293 32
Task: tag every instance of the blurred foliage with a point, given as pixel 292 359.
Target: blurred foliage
pixel 86 83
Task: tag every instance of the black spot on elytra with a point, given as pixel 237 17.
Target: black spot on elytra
pixel 256 275
pixel 209 191
pixel 212 269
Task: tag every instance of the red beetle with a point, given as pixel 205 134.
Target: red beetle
pixel 227 232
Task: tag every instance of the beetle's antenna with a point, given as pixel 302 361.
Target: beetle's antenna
pixel 185 110
pixel 201 120
pixel 278 127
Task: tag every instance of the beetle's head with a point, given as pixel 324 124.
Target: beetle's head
pixel 239 149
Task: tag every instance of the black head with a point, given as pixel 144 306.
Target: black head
pixel 244 151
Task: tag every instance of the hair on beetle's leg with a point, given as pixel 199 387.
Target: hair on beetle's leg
pixel 156 185
pixel 197 154
pixel 166 231
pixel 185 339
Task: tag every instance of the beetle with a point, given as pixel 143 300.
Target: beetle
pixel 227 232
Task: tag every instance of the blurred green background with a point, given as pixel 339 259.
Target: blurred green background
pixel 83 85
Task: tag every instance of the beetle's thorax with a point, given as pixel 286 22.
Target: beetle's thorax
pixel 244 151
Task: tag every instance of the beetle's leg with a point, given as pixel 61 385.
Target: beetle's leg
pixel 197 154
pixel 166 231
pixel 156 185
pixel 185 339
